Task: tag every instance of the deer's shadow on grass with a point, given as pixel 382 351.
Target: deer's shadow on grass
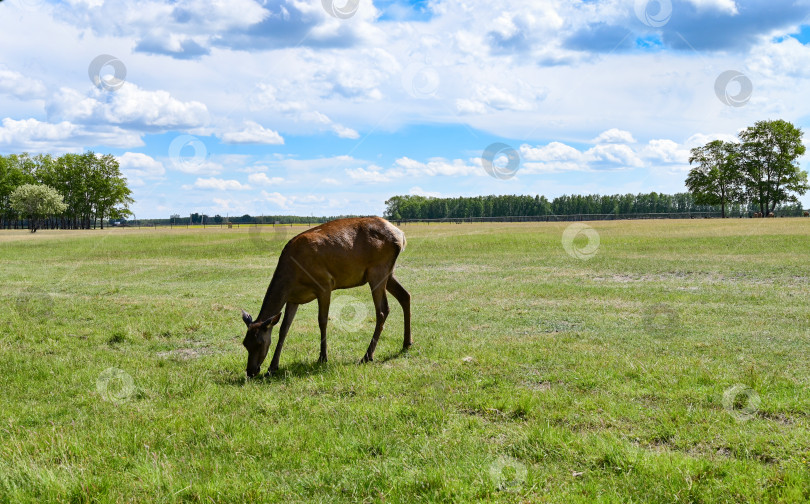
pixel 396 355
pixel 293 370
pixel 300 369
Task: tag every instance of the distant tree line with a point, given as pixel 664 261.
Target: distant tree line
pixel 91 187
pixel 197 219
pixel 422 207
pixel 761 169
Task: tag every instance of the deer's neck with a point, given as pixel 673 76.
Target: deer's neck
pixel 276 296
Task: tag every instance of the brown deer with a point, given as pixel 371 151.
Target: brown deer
pixel 340 254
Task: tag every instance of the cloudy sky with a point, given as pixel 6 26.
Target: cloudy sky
pixel 314 107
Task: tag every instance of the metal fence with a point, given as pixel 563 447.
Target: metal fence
pixel 460 220
pixel 572 217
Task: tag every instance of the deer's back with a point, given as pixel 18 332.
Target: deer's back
pixel 343 250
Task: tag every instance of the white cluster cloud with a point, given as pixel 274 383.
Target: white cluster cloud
pixel 32 135
pixel 615 135
pixel 405 167
pixel 217 184
pixel 76 120
pixel 138 168
pixel 266 99
pixel 781 62
pixel 489 97
pixel 724 6
pixel 129 105
pixel 253 133
pixel 287 202
pixel 263 179
pixel 20 86
pixel 31 131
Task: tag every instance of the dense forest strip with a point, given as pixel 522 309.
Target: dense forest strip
pixel 645 204
pixel 90 184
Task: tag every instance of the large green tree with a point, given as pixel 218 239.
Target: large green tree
pixel 11 177
pixel 768 156
pixel 91 185
pixel 110 194
pixel 716 180
pixel 36 202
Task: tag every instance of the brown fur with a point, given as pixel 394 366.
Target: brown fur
pixel 340 254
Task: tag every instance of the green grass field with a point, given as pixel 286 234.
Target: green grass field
pixel 670 365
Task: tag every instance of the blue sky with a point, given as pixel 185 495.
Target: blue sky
pixel 313 107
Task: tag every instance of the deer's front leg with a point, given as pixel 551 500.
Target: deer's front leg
pixel 323 319
pixel 289 315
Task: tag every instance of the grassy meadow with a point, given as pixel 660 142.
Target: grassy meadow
pixel 630 361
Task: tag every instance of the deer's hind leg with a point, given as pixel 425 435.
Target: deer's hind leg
pixel 378 283
pixel 398 291
pixel 324 299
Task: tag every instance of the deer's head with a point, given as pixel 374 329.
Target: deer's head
pixel 257 341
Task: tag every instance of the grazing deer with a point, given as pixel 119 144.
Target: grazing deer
pixel 340 254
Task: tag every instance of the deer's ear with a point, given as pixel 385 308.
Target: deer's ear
pixel 246 318
pixel 271 321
